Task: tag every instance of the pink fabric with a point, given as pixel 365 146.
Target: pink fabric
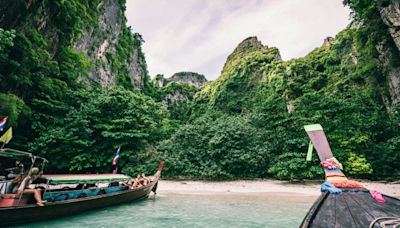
pixel 329 164
pixel 377 196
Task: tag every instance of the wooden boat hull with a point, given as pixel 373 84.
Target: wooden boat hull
pixel 351 208
pixel 354 206
pixel 31 213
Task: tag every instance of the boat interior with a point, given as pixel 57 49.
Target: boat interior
pixel 60 192
pixel 344 202
pixel 60 187
pixel 352 208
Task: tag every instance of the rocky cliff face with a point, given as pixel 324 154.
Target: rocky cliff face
pixel 235 88
pixel 393 76
pixel 97 29
pixel 390 13
pixel 176 93
pixel 175 98
pixel 190 78
pixel 328 41
pixel 97 42
pixel 248 45
pixel 101 44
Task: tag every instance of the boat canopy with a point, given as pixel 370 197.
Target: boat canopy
pixel 12 153
pixel 84 178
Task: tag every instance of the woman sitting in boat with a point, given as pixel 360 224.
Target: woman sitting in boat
pixel 144 179
pixel 141 180
pixel 24 184
pixel 136 183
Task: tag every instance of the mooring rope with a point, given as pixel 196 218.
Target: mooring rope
pixel 394 221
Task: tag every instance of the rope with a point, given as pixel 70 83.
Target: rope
pixel 388 221
pixel 391 222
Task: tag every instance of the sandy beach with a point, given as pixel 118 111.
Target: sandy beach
pixel 261 186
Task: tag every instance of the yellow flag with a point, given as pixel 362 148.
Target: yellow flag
pixel 309 152
pixel 7 136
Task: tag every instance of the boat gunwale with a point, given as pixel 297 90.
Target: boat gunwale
pixel 312 212
pixel 323 155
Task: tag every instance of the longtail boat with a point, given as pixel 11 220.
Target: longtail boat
pixel 353 205
pixel 71 196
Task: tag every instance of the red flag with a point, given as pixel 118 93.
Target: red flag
pixel 3 123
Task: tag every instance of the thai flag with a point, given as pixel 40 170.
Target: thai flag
pixel 115 160
pixel 3 123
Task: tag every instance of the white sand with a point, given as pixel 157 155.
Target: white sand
pixel 260 186
pixel 385 188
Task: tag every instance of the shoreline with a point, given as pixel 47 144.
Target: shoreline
pixel 311 188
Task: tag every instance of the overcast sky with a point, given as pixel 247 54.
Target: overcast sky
pixel 198 35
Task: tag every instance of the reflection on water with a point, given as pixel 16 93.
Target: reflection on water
pixel 196 210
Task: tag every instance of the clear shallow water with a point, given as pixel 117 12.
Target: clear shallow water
pixel 196 210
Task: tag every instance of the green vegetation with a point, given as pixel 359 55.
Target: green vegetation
pixel 216 147
pixel 177 98
pixel 358 164
pixel 52 111
pixel 246 124
pixel 96 125
pixel 293 166
pixel 128 43
pixel 341 86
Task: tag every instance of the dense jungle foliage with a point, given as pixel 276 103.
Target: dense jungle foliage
pixel 52 110
pixel 252 115
pixel 246 124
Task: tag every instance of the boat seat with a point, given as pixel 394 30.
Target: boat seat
pixel 9 188
pixel 5 187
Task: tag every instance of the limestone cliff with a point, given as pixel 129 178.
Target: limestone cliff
pixel 95 28
pixel 176 92
pixel 175 97
pixel 101 44
pixel 248 45
pixel 390 13
pixel 190 78
pixel 235 88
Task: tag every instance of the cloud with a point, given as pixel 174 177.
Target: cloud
pixel 198 35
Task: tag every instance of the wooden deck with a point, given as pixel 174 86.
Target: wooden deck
pixel 351 208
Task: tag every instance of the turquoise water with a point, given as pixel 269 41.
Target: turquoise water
pixel 196 210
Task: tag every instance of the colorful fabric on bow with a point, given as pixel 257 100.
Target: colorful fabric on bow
pixel 331 163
